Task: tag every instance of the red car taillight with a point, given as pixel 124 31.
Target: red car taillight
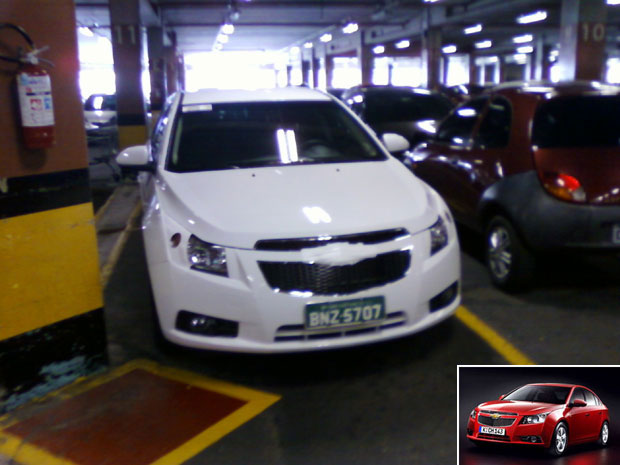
pixel 564 186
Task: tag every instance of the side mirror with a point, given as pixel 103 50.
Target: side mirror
pixel 395 142
pixel 577 403
pixel 135 158
pixel 502 396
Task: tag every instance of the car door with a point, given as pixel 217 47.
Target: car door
pixel 594 416
pixel 578 417
pixel 445 160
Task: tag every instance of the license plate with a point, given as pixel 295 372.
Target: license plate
pixel 345 313
pixel 615 234
pixel 491 430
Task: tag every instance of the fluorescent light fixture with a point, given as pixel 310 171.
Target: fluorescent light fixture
pixel 484 44
pixel 524 38
pixel 350 28
pixel 325 38
pixel 431 1
pixel 379 49
pixel 228 28
pixel 218 46
pixel 555 53
pixel 295 50
pixel 613 2
pixel 525 49
pixel 449 49
pixel 85 31
pixel 402 44
pixel 492 60
pixel 520 58
pixel 540 15
pixel 308 45
pixel 466 112
pixel 473 29
pixel 222 38
pixel 287 145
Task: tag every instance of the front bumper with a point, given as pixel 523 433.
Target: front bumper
pixel 533 435
pixel 272 321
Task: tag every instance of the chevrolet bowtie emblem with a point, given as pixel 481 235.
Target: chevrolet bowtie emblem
pixel 495 416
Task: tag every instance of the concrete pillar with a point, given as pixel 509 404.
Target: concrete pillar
pixel 157 68
pixel 473 72
pixel 329 70
pixel 431 56
pixel 51 310
pixel 127 50
pixel 366 60
pixel 582 39
pixel 305 72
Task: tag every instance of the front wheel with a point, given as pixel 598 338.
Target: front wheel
pixel 510 264
pixel 603 437
pixel 559 440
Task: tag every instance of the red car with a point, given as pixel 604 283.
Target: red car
pixel 535 168
pixel 551 416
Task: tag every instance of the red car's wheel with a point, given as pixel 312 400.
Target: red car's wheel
pixel 603 437
pixel 559 440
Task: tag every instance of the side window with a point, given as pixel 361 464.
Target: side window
pixel 590 398
pixel 456 129
pixel 159 129
pixel 494 129
pixel 577 394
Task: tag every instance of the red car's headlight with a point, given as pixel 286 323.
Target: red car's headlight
pixel 533 419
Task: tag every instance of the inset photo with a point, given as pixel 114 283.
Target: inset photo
pixel 538 414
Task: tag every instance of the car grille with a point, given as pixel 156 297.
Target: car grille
pixel 495 421
pixel 328 280
pixel 493 436
pixel 504 414
pixel 299 333
pixel 375 237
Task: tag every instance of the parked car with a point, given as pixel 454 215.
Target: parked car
pixel 100 119
pixel 535 168
pixel 408 111
pixel 275 221
pixel 552 416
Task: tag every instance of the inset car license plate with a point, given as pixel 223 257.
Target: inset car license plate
pixel 345 313
pixel 491 430
pixel 615 234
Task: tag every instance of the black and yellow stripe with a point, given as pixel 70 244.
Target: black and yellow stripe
pixel 50 291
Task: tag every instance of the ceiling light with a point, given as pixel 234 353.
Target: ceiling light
pixel 228 28
pixel 613 2
pixel 222 38
pixel 325 38
pixel 402 44
pixel 85 31
pixel 308 45
pixel 473 29
pixel 430 1
pixel 532 17
pixel 555 53
pixel 294 50
pixel 523 39
pixel 350 28
pixel 520 57
pixel 379 49
pixel 526 49
pixel 449 49
pixel 484 44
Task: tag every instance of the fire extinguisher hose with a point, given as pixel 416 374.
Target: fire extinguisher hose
pixel 25 36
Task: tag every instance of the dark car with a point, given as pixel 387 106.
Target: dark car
pixel 551 416
pixel 534 167
pixel 401 110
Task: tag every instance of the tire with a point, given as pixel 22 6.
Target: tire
pixel 559 440
pixel 511 265
pixel 603 437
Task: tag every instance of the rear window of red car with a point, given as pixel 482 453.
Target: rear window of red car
pixel 578 121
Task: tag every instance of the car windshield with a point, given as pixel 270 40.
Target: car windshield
pixel 382 107
pixel 578 121
pixel 100 102
pixel 243 135
pixel 546 394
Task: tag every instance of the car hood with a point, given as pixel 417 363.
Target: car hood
pixel 238 207
pixel 520 407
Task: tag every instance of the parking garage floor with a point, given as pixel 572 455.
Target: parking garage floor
pixel 393 402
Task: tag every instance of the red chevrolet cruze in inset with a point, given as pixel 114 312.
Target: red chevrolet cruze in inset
pixel 552 416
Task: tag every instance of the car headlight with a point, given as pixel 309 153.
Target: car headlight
pixel 206 257
pixel 533 419
pixel 473 414
pixel 439 235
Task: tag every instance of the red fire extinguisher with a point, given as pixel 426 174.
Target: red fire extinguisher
pixel 34 93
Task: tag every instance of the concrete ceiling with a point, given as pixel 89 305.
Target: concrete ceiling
pixel 275 25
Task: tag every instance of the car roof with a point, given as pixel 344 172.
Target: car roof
pixel 282 94
pixel 548 89
pixel 555 384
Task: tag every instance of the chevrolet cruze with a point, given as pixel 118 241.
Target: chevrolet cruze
pixel 276 221
pixel 551 416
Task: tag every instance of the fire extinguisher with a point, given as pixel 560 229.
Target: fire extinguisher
pixel 34 93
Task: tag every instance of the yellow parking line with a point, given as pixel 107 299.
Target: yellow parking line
pixel 513 355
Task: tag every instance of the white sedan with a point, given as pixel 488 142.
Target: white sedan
pixel 275 221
